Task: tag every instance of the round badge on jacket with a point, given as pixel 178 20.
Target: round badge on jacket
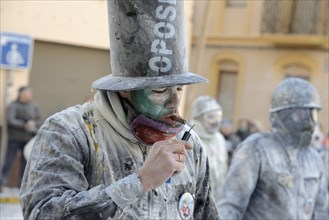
pixel 186 206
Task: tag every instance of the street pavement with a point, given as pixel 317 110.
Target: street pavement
pixel 10 208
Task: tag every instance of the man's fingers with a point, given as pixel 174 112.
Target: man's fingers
pixel 181 158
pixel 179 149
pixel 179 146
pixel 188 145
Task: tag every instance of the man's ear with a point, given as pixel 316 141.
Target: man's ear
pixel 124 94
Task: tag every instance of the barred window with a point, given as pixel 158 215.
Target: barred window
pixel 295 17
pixel 227 86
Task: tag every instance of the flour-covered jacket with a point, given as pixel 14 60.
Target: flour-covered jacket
pixel 83 166
pixel 270 180
pixel 217 156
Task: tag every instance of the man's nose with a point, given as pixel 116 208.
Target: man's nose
pixel 174 99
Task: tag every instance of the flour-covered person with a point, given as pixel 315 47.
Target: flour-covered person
pixel 277 175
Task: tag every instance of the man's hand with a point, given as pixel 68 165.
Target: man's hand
pixel 30 126
pixel 164 158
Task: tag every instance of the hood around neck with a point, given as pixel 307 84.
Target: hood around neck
pixel 111 107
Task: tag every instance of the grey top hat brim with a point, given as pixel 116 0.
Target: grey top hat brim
pixel 119 83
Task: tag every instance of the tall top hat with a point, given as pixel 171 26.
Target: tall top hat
pixel 147 45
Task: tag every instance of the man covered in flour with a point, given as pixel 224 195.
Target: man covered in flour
pixel 206 118
pixel 122 156
pixel 277 175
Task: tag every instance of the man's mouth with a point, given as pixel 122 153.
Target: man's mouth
pixel 173 120
pixel 149 130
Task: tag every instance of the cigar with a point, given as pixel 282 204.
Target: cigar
pixel 178 119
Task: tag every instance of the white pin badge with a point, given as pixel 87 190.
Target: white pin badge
pixel 186 206
pixel 308 205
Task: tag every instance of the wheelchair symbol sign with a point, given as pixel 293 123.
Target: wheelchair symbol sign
pixel 16 51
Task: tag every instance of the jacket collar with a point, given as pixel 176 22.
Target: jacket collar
pixel 111 108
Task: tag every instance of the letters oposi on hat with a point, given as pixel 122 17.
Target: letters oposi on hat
pixel 147 45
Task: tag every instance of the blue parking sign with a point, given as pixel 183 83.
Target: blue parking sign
pixel 15 51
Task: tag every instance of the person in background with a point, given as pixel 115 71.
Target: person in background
pixel 243 129
pixel 23 121
pixel 255 126
pixel 277 175
pixel 232 140
pixel 326 156
pixel 318 140
pixel 320 144
pixel 207 116
pixel 122 156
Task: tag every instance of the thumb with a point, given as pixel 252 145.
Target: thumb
pixel 188 145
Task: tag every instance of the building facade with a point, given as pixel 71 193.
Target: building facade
pixel 245 48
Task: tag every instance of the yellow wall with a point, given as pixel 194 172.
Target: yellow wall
pixel 260 70
pixel 72 22
pixel 82 23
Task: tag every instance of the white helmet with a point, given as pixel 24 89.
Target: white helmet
pixel 203 105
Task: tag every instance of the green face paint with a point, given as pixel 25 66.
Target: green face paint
pixel 156 103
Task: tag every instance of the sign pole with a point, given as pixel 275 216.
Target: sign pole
pixel 6 102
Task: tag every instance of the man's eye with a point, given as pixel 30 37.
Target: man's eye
pixel 159 90
pixel 179 88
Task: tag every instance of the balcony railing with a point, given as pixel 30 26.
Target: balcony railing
pixel 305 17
